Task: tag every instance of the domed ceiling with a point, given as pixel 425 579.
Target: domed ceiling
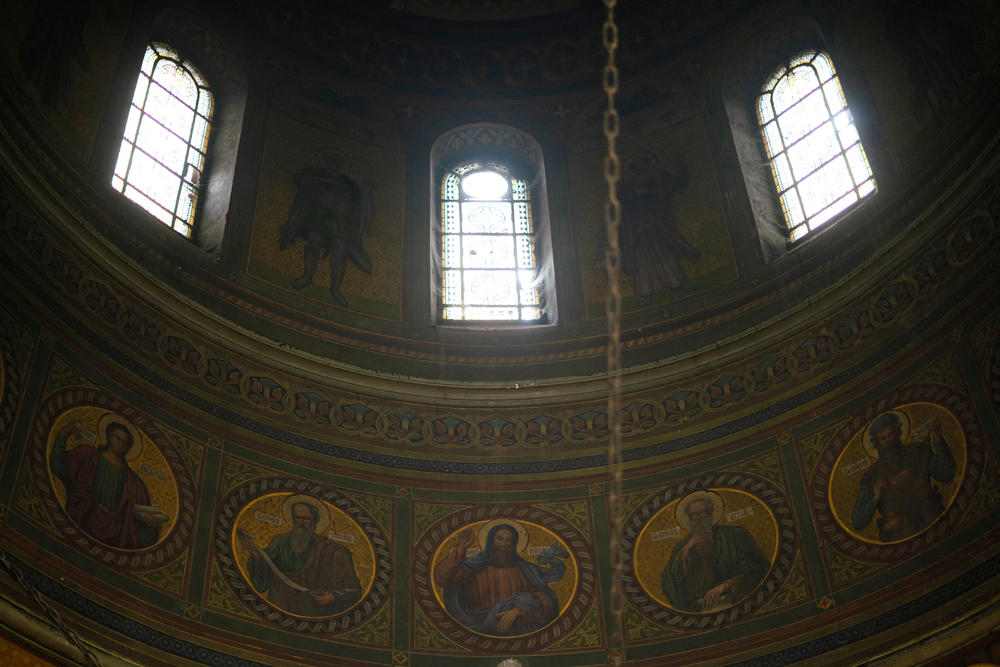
pixel 251 446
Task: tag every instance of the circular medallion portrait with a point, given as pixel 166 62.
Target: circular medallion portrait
pixel 312 561
pixel 303 555
pixel 890 475
pixel 116 480
pixel 503 575
pixel 899 473
pixel 111 479
pixel 705 552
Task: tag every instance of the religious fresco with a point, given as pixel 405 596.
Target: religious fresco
pixel 310 559
pixel 673 234
pixel 889 478
pixel 114 483
pixel 327 224
pixel 510 578
pixel 709 550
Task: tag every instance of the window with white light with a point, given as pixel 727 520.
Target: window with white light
pixel 818 163
pixel 161 159
pixel 489 268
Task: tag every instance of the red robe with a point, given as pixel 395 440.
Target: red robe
pixel 116 526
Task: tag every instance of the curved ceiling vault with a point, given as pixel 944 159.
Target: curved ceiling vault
pixel 263 443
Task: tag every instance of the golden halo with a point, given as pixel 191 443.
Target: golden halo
pixel 522 534
pixel 102 429
pixel 324 513
pixel 680 512
pixel 904 432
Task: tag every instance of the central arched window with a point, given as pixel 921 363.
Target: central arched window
pixel 162 154
pixel 489 262
pixel 819 166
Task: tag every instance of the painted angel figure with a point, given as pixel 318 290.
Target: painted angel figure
pixel 332 214
pixel 651 245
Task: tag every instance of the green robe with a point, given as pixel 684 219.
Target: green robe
pixel 734 556
pixel 323 566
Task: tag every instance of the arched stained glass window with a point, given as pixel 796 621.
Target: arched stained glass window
pixel 488 255
pixel 162 153
pixel 817 160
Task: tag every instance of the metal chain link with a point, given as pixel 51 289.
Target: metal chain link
pixel 49 610
pixel 613 310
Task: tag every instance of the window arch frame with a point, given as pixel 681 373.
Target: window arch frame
pixel 186 181
pixel 520 154
pixel 219 58
pixel 780 144
pixel 753 54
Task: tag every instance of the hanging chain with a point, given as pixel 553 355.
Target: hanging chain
pixel 49 610
pixel 613 310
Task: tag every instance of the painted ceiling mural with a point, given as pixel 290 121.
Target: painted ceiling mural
pixel 266 450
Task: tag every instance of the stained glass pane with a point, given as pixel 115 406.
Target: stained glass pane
pixel 132 123
pixel 845 128
pixel 519 189
pixel 123 157
pixel 824 186
pixel 831 211
pixel 484 185
pixel 452 288
pixel 825 159
pixel 813 150
pixel 486 217
pixel 783 172
pixel 186 202
pixel 492 241
pixel 195 161
pixel 525 252
pixel 148 60
pixel 164 147
pixel 199 132
pixel 157 157
pixel 858 163
pixel 176 82
pixel 451 257
pixel 153 180
pixel 205 103
pixel 528 290
pixel 522 218
pixel 490 288
pixel 799 83
pixel 169 111
pixel 491 313
pixel 151 206
pixel 487 252
pixel 764 111
pixel 799 232
pixel 772 138
pixel 823 66
pixel 449 190
pixel 804 117
pixel 139 95
pixel 802 58
pixel 793 207
pixel 834 96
